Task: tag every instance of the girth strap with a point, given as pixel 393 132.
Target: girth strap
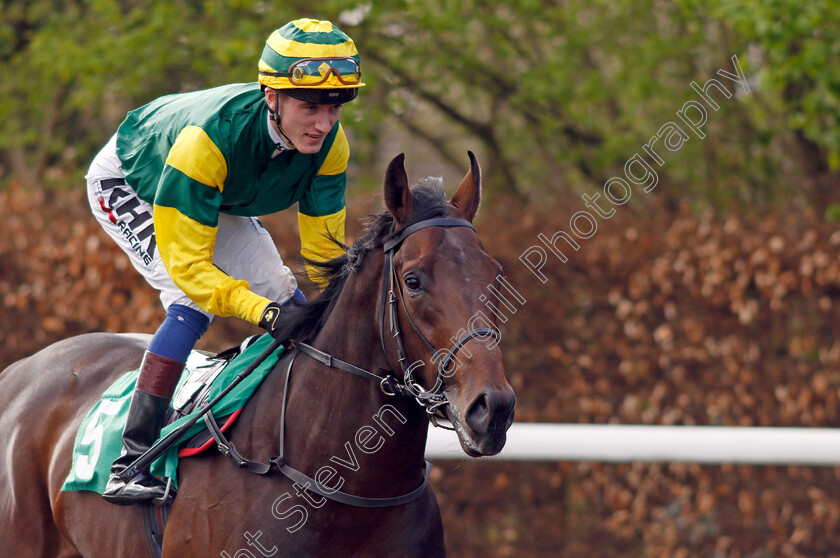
pixel 154 538
pixel 154 522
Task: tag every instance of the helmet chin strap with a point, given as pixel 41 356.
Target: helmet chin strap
pixel 275 115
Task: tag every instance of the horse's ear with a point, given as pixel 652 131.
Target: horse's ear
pixel 468 197
pixel 397 195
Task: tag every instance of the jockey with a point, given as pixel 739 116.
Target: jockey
pixel 179 188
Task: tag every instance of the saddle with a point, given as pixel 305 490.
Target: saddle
pixel 193 391
pixel 99 438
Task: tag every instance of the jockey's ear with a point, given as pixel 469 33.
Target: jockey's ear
pixel 272 98
pixel 397 195
pixel 468 197
pixel 269 96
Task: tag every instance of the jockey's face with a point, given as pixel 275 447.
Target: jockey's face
pixel 305 124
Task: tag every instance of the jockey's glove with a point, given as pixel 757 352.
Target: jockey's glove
pixel 269 320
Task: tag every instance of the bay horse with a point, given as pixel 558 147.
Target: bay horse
pixel 421 263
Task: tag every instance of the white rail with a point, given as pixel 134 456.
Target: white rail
pixel 629 443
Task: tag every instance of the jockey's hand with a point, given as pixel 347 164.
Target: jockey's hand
pixel 270 319
pixel 298 299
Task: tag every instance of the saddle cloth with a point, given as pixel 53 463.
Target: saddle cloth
pixel 99 438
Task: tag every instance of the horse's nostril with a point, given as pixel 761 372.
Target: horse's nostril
pixel 478 414
pixel 492 411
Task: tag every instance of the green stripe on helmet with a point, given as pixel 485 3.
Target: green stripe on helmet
pixel 276 62
pixel 313 32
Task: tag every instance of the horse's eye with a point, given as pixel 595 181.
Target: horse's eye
pixel 412 282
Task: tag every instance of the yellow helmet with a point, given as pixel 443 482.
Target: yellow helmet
pixel 313 61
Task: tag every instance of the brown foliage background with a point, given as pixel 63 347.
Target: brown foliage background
pixel 658 319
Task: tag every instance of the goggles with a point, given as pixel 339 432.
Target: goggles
pixel 309 72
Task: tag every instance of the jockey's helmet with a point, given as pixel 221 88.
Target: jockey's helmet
pixel 313 61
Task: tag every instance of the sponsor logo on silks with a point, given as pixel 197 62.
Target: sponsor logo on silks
pixel 136 226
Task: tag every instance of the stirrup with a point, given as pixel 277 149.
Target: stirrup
pixel 168 495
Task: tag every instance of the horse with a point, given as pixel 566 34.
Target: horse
pixel 421 263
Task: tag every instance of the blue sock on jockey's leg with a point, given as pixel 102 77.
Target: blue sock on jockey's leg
pixel 179 332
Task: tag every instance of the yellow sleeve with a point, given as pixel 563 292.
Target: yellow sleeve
pixel 315 234
pixel 186 249
pixel 338 157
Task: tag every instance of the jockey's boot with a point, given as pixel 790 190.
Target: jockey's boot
pixel 149 403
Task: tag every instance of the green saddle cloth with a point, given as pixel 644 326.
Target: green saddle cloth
pixel 99 439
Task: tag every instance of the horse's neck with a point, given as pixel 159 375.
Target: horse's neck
pixel 342 421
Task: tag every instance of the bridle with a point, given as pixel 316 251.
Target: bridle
pixel 433 400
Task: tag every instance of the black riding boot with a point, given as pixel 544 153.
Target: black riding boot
pixel 157 380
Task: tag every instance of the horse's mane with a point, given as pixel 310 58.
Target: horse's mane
pixel 303 323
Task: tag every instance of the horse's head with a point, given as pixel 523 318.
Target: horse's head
pixel 446 279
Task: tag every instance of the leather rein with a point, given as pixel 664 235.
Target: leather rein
pixel 432 399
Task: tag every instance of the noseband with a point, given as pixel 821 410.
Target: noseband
pixel 431 399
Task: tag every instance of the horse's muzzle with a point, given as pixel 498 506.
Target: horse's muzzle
pixel 489 416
